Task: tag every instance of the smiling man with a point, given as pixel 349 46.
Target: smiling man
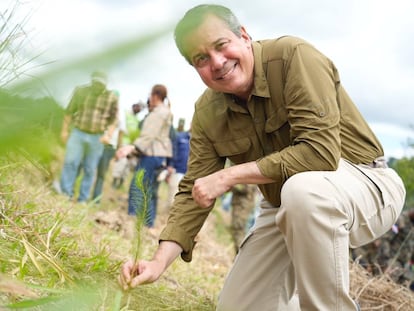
pixel 277 109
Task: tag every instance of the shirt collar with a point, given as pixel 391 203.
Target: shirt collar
pixel 260 86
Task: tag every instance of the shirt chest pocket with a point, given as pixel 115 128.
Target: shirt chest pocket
pixel 277 129
pixel 237 150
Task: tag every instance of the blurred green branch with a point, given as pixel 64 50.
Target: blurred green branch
pixel 32 125
pixel 103 59
pixel 13 40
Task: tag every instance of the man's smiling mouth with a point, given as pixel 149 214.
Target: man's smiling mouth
pixel 227 73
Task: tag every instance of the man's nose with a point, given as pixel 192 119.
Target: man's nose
pixel 217 60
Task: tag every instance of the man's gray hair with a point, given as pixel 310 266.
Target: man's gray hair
pixel 196 16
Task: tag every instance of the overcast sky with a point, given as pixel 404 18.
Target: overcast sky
pixel 370 41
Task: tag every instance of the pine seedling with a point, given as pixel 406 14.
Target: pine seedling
pixel 141 218
pixel 142 213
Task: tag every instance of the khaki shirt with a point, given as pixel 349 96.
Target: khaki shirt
pixel 154 139
pixel 298 118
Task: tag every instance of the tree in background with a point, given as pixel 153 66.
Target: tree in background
pixel 405 168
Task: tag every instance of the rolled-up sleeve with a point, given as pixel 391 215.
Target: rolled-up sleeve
pixel 186 217
pixel 114 109
pixel 313 116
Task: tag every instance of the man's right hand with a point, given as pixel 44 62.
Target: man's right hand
pixel 142 272
pixel 124 151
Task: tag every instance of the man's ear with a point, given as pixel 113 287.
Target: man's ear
pixel 244 35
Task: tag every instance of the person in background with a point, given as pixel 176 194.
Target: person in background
pixel 243 203
pixel 122 166
pixel 367 257
pixel 177 166
pixel 133 122
pixel 153 147
pixel 108 153
pixel 90 118
pixel 393 253
pixel 396 249
pixel 277 109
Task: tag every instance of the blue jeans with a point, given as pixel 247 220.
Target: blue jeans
pixel 103 165
pixel 136 197
pixel 81 148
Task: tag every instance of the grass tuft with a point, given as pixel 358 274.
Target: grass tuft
pixel 55 255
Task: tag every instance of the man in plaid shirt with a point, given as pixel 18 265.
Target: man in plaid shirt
pixel 92 116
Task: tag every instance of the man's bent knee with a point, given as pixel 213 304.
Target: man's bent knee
pixel 300 189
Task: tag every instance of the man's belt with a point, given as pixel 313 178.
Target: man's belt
pixel 90 132
pixel 379 162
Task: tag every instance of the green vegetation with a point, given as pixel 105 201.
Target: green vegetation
pixel 141 216
pixel 58 255
pixel 30 127
pixel 405 168
pixel 55 255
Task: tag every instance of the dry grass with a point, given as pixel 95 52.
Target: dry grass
pixel 53 248
pixel 379 293
pixel 50 245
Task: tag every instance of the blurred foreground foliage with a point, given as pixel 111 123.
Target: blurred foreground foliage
pixel 30 127
pixel 56 255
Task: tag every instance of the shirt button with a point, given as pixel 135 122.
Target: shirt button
pixel 321 114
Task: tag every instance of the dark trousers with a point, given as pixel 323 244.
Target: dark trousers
pixel 136 203
pixel 103 165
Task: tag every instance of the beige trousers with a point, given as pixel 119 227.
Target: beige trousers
pixel 304 244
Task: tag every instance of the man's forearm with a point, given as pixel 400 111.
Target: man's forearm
pixel 64 134
pixel 246 173
pixel 120 138
pixel 167 252
pixel 111 128
pixel 210 187
pixel 67 119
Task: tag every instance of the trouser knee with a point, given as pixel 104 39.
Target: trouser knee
pixel 299 192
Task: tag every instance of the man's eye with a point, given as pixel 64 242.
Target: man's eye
pixel 200 60
pixel 222 45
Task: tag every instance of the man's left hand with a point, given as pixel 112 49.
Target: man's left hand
pixel 105 139
pixel 207 189
pixel 124 151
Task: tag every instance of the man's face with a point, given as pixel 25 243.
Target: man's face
pixel 224 61
pixel 136 108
